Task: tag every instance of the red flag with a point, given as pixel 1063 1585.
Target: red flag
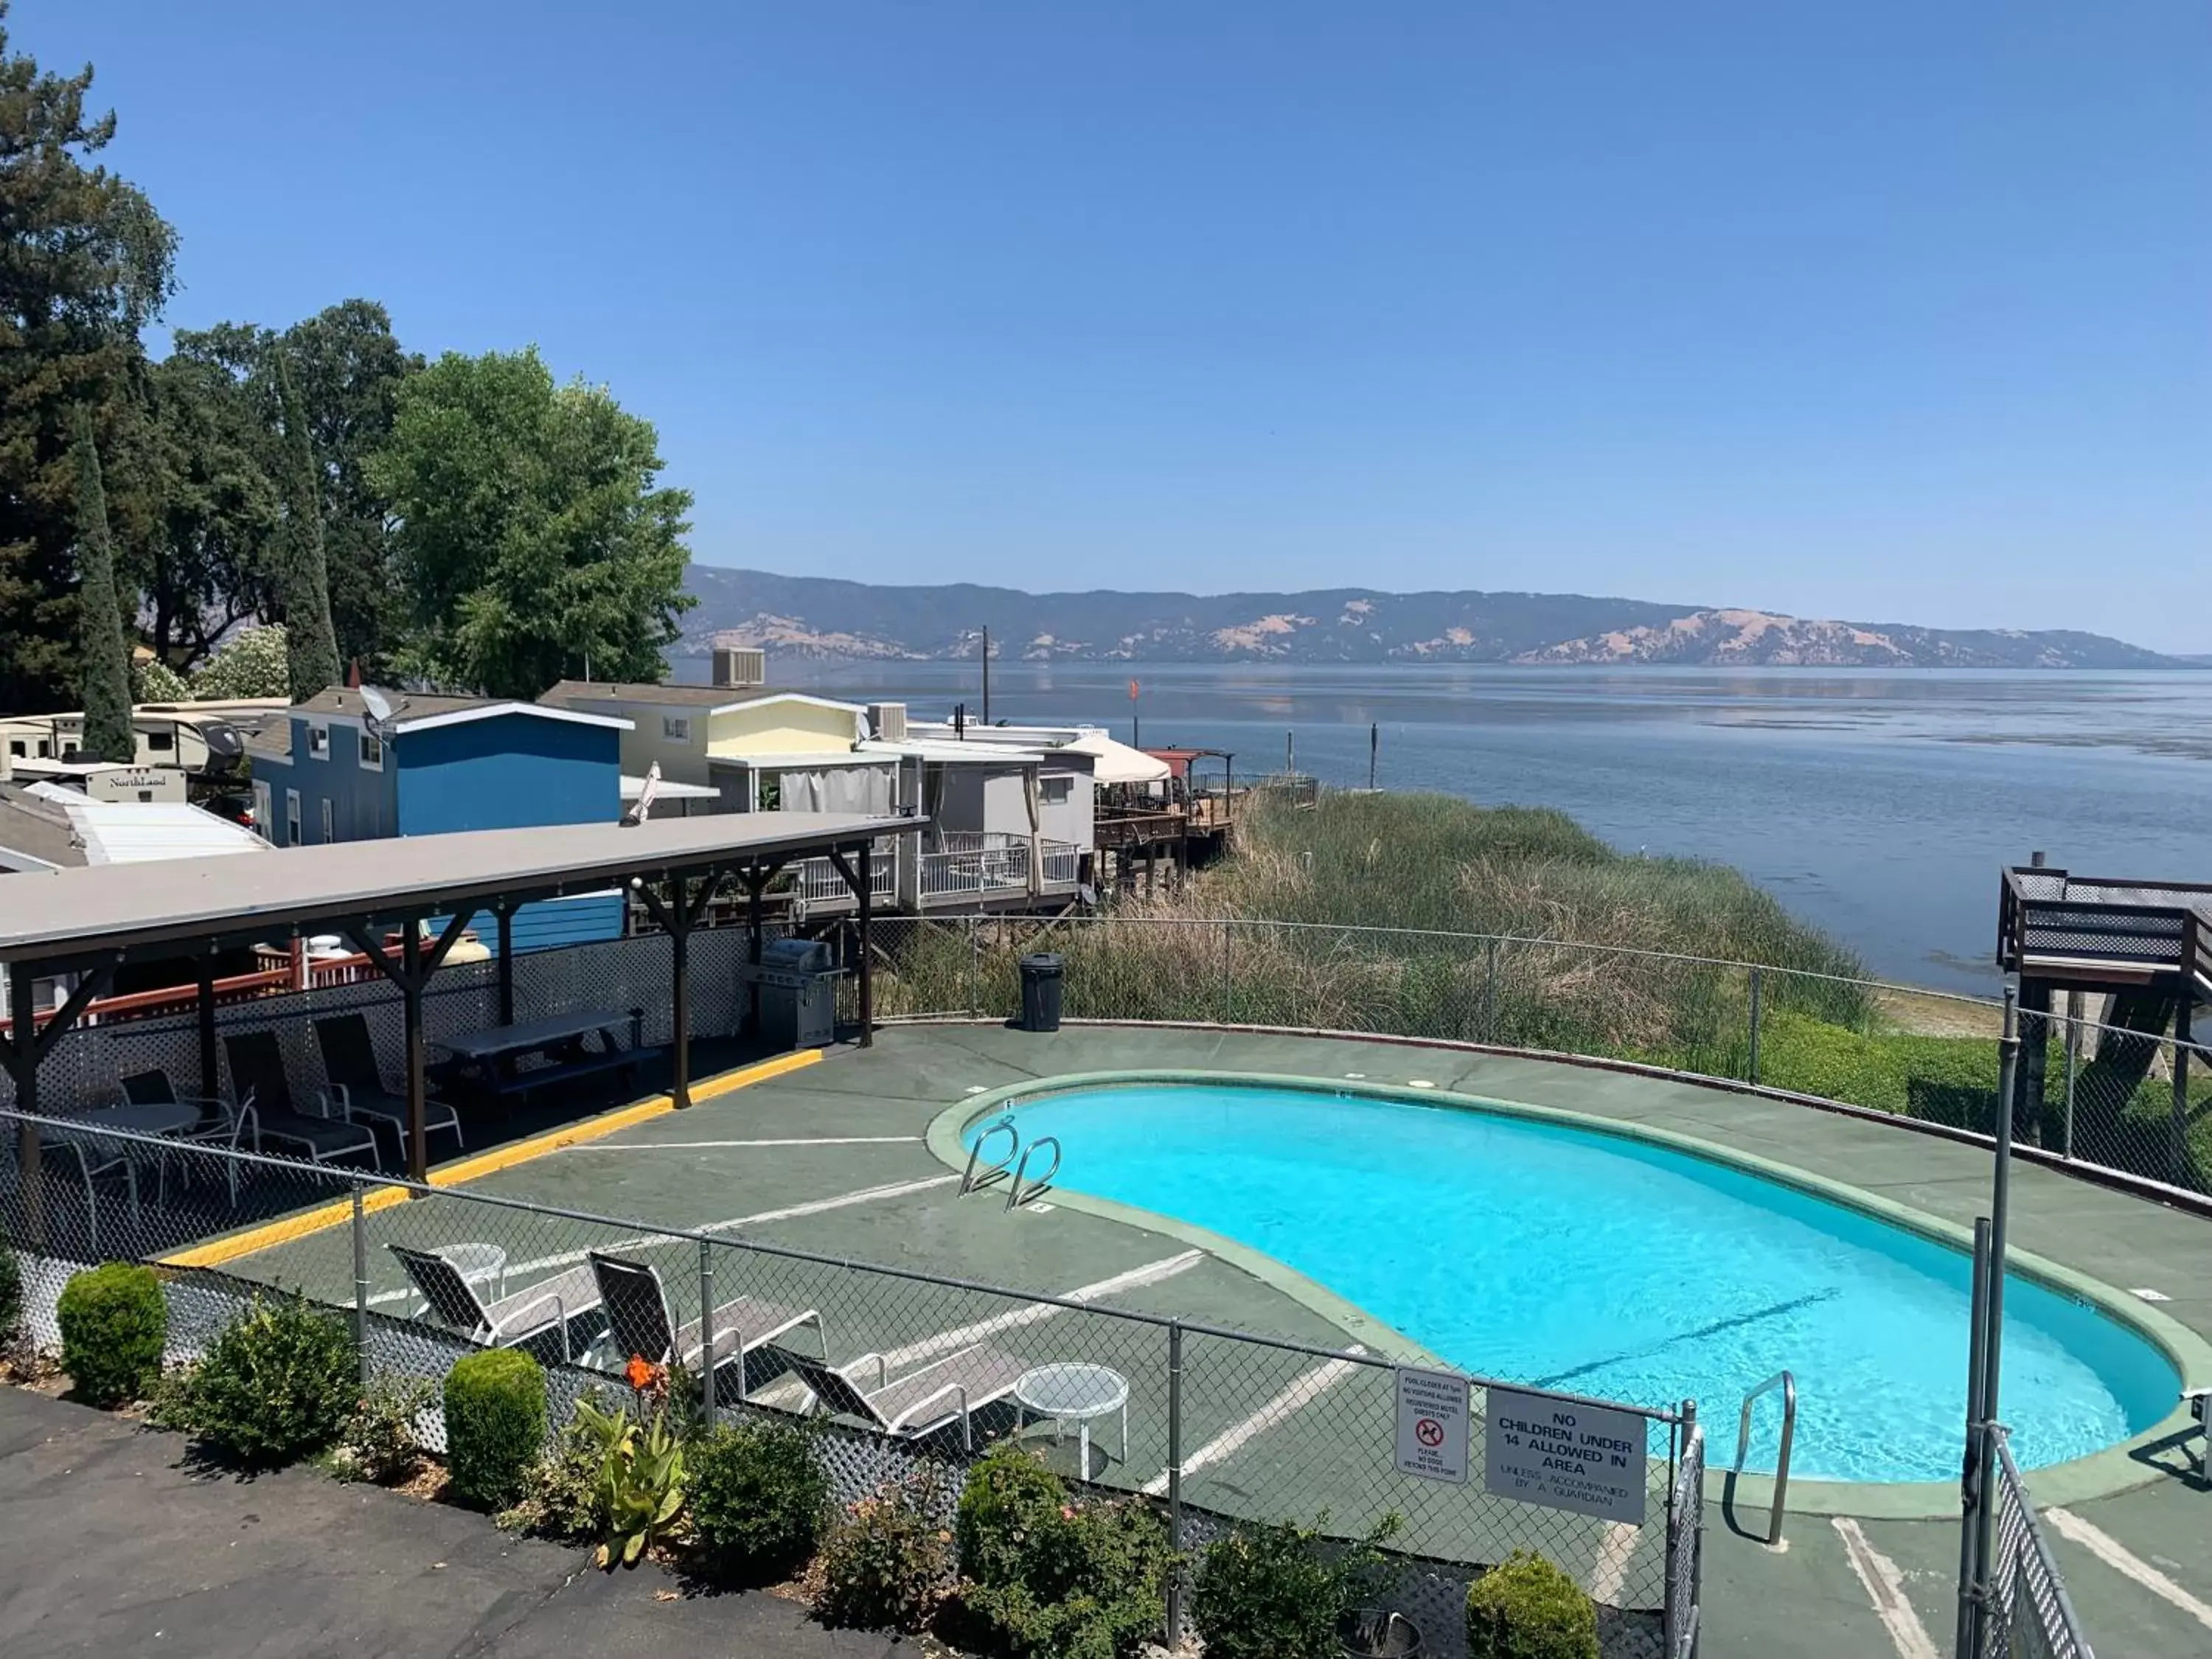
pixel 1133 691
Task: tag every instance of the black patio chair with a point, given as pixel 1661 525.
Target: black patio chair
pixel 257 1080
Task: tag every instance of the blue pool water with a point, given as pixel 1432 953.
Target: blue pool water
pixel 1569 1259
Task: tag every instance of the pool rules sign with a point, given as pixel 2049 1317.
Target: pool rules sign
pixel 1432 1415
pixel 1564 1454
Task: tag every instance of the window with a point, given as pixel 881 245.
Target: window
pixel 291 818
pixel 264 821
pixel 372 749
pixel 676 728
pixel 1056 792
pixel 319 741
pixel 15 747
pixel 328 837
pixel 161 742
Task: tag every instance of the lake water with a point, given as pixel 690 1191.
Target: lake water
pixel 1877 804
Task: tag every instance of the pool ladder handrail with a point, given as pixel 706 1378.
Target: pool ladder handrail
pixel 1788 1386
pixel 1016 1195
pixel 974 1182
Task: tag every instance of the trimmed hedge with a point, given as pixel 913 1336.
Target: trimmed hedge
pixel 759 1498
pixel 115 1325
pixel 1526 1609
pixel 494 1425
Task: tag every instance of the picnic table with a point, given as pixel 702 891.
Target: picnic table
pixel 487 1059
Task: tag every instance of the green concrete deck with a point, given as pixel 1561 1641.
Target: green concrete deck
pixel 836 1159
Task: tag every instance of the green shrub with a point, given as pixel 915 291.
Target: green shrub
pixel 279 1383
pixel 114 1327
pixel 1050 1579
pixel 1280 1592
pixel 759 1498
pixel 1526 1609
pixel 1003 1504
pixel 641 1475
pixel 379 1442
pixel 885 1564
pixel 11 1297
pixel 494 1425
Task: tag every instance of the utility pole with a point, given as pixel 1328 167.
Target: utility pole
pixel 987 676
pixel 1374 742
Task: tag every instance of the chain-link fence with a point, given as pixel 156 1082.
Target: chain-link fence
pixel 1214 1425
pixel 2118 1096
pixel 2030 1615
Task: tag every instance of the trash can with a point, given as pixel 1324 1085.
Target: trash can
pixel 1041 976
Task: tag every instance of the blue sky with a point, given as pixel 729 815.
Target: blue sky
pixel 1895 310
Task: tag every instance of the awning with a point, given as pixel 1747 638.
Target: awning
pixel 668 789
pixel 1117 763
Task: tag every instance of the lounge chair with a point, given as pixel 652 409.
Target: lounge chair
pixel 923 1402
pixel 357 1083
pixel 504 1320
pixel 258 1081
pixel 637 1315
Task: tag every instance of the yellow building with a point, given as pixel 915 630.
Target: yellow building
pixel 728 738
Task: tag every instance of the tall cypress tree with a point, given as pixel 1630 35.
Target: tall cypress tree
pixel 312 644
pixel 103 655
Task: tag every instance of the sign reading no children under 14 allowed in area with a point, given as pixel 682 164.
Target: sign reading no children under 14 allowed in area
pixel 1566 1454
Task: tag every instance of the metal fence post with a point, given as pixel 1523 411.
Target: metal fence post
pixel 1754 1025
pixel 1490 997
pixel 1175 1479
pixel 975 970
pixel 2072 1069
pixel 707 1339
pixel 1228 975
pixel 360 1288
pixel 1970 1495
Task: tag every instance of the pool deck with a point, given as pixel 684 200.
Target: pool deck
pixel 835 1157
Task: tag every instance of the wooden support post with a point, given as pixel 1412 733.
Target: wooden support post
pixel 21 1051
pixel 2035 1003
pixel 411 997
pixel 756 880
pixel 866 889
pixel 505 912
pixel 211 1075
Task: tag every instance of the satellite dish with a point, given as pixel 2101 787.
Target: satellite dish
pixel 379 710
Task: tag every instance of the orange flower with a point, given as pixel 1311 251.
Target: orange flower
pixel 641 1373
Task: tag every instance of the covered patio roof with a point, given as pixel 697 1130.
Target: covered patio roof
pixel 182 903
pixel 100 916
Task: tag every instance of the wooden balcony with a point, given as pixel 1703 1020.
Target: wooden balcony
pixel 2090 931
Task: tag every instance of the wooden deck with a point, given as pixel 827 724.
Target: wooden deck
pixel 2091 932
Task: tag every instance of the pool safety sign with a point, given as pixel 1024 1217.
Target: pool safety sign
pixel 1432 1414
pixel 1564 1454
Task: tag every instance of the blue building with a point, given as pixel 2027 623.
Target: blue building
pixel 442 764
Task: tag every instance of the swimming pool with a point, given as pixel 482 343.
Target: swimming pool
pixel 1542 1252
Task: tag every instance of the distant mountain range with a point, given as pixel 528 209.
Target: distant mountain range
pixel 809 615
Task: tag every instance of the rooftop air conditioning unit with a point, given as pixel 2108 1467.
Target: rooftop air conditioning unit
pixel 737 667
pixel 888 721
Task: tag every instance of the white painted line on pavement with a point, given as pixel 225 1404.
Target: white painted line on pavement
pixel 1885 1587
pixel 570 1258
pixel 1611 1570
pixel 1302 1393
pixel 967 1336
pixel 2116 1555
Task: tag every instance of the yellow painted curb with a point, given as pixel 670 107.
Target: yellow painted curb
pixel 325 1217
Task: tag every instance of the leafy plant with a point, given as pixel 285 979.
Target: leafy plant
pixel 1049 1577
pixel 1525 1608
pixel 251 662
pixel 11 1297
pixel 114 1327
pixel 495 1424
pixel 887 1562
pixel 641 1484
pixel 561 1491
pixel 278 1383
pixel 759 1497
pixel 1280 1592
pixel 379 1442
